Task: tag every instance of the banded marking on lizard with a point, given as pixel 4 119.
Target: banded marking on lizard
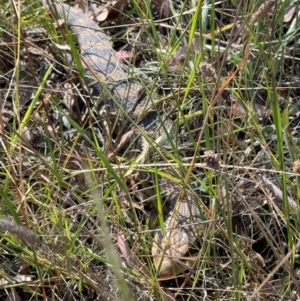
pixel 98 55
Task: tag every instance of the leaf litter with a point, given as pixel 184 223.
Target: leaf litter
pixel 259 229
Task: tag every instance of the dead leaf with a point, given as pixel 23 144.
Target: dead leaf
pixel 117 9
pixel 13 296
pixel 68 98
pixel 178 57
pixel 256 260
pixel 123 55
pixel 145 150
pixel 168 294
pixel 98 13
pixel 124 249
pixel 27 135
pixel 124 139
pixel 103 15
pixel 237 110
pixel 289 12
pixel 129 256
pixel 165 9
pixel 81 6
pixel 157 2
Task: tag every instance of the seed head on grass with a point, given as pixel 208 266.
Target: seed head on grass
pixel 19 231
pixel 263 11
pixel 211 160
pixel 208 73
pixel 296 167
